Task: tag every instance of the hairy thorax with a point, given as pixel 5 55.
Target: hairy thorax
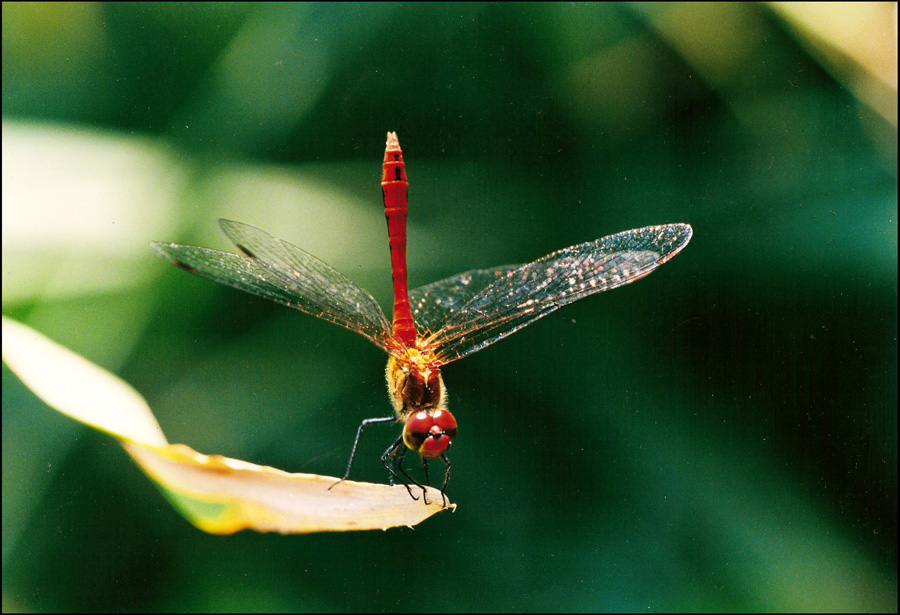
pixel 414 384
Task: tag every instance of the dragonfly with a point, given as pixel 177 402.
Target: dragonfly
pixel 432 325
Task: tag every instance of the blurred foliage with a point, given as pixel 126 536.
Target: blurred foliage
pixel 719 436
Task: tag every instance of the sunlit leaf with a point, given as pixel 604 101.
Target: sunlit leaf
pixel 222 495
pixel 78 388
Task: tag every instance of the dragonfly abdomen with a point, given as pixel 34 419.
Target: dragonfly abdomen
pixel 394 187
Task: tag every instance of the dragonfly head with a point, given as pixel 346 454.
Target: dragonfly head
pixel 429 433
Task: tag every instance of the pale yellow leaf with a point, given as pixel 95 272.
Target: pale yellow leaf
pixel 222 495
pixel 76 387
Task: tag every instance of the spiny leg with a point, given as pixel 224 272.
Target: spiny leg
pixel 446 478
pixel 399 464
pixel 427 480
pixel 385 419
pixel 397 461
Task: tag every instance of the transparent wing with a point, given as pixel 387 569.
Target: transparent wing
pixel 434 303
pixel 281 272
pixel 521 296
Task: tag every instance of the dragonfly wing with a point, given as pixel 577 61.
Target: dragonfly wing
pixel 434 303
pixel 283 273
pixel 521 296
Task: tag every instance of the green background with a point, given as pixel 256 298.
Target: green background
pixel 721 435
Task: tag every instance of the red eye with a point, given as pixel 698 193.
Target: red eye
pixel 430 434
pixel 446 421
pixel 415 432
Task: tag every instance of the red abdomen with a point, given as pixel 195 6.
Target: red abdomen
pixel 394 186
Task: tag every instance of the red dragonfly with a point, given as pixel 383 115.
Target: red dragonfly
pixel 435 324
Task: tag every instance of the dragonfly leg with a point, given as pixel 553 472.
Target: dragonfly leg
pixel 446 478
pixel 394 463
pixel 425 469
pixel 386 419
pixel 403 471
pixel 427 480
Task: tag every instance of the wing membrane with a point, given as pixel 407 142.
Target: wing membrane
pixel 434 303
pixel 281 272
pixel 520 296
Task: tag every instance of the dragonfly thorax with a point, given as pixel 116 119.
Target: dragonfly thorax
pixel 414 386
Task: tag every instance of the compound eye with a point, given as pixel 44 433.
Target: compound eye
pixel 416 430
pixel 430 434
pixel 446 422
